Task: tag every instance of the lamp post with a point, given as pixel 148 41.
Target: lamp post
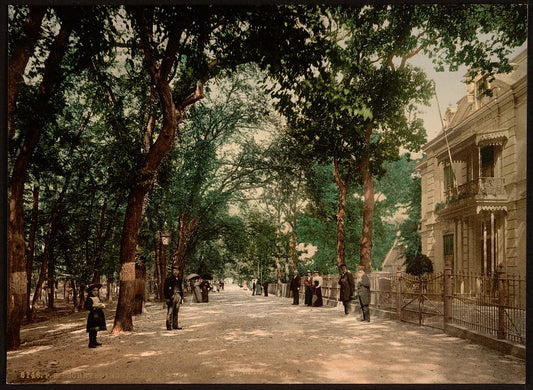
pixel 164 236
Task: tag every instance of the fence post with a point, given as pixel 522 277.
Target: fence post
pixel 399 293
pixel 448 294
pixel 501 302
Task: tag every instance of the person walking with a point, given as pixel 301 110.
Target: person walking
pixel 265 288
pixel 173 293
pixel 96 318
pixel 258 287
pixel 317 289
pixel 347 286
pixel 295 288
pixel 308 285
pixel 363 291
pixel 205 287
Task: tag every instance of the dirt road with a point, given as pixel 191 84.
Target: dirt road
pixel 240 338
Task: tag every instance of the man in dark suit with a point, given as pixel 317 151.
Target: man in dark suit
pixel 173 296
pixel 347 286
pixel 295 288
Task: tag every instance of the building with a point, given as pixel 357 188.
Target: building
pixel 474 184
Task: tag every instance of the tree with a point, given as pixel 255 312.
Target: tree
pixel 194 49
pixel 360 107
pixel 16 260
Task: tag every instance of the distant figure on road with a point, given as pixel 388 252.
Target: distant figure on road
pixel 253 287
pixel 197 292
pixel 205 287
pixel 308 285
pixel 173 296
pixel 347 286
pixel 363 290
pixel 265 288
pixel 258 287
pixel 317 290
pixel 96 318
pixel 295 288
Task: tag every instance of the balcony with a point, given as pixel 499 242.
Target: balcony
pixel 478 191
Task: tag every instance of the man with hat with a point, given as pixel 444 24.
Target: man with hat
pixel 173 296
pixel 295 288
pixel 308 283
pixel 363 291
pixel 347 286
pixel 96 318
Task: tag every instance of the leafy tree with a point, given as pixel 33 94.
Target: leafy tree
pixel 360 106
pixel 418 265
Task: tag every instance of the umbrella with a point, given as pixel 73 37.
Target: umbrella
pixel 192 276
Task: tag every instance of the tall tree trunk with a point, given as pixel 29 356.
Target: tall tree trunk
pixel 22 51
pixel 292 251
pixel 100 245
pixel 186 230
pixel 278 276
pixel 50 281
pixel 140 277
pixel 16 280
pixel 343 190
pixel 368 206
pixel 157 251
pixel 163 144
pixel 31 247
pixel 47 248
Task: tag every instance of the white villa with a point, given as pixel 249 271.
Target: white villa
pixel 474 183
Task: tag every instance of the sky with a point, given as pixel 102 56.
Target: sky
pixel 450 89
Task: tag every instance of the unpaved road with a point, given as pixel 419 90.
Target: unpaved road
pixel 240 338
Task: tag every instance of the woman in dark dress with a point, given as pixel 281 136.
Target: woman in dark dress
pixel 96 318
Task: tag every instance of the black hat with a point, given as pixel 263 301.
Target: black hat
pixel 93 285
pixel 342 265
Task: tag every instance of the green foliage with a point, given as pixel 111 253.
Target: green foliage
pixel 418 265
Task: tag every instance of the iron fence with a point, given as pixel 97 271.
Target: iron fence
pixel 494 305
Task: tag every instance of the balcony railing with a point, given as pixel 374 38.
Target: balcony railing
pixel 493 187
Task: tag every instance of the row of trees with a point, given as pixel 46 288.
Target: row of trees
pixel 108 128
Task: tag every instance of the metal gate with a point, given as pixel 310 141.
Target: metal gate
pixel 423 300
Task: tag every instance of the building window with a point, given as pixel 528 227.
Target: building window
pixel 448 177
pixel 448 249
pixel 487 161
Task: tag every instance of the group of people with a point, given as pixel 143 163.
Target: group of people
pixel 347 290
pixel 173 293
pixel 258 287
pixel 312 286
pixel 347 284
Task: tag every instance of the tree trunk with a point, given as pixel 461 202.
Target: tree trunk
pixel 368 207
pixel 100 245
pixel 31 248
pixel 50 281
pixel 292 251
pixel 157 259
pixel 22 51
pixel 140 277
pixel 163 144
pixel 343 190
pixel 16 280
pixel 74 294
pixel 278 276
pixel 186 230
pixel 47 249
